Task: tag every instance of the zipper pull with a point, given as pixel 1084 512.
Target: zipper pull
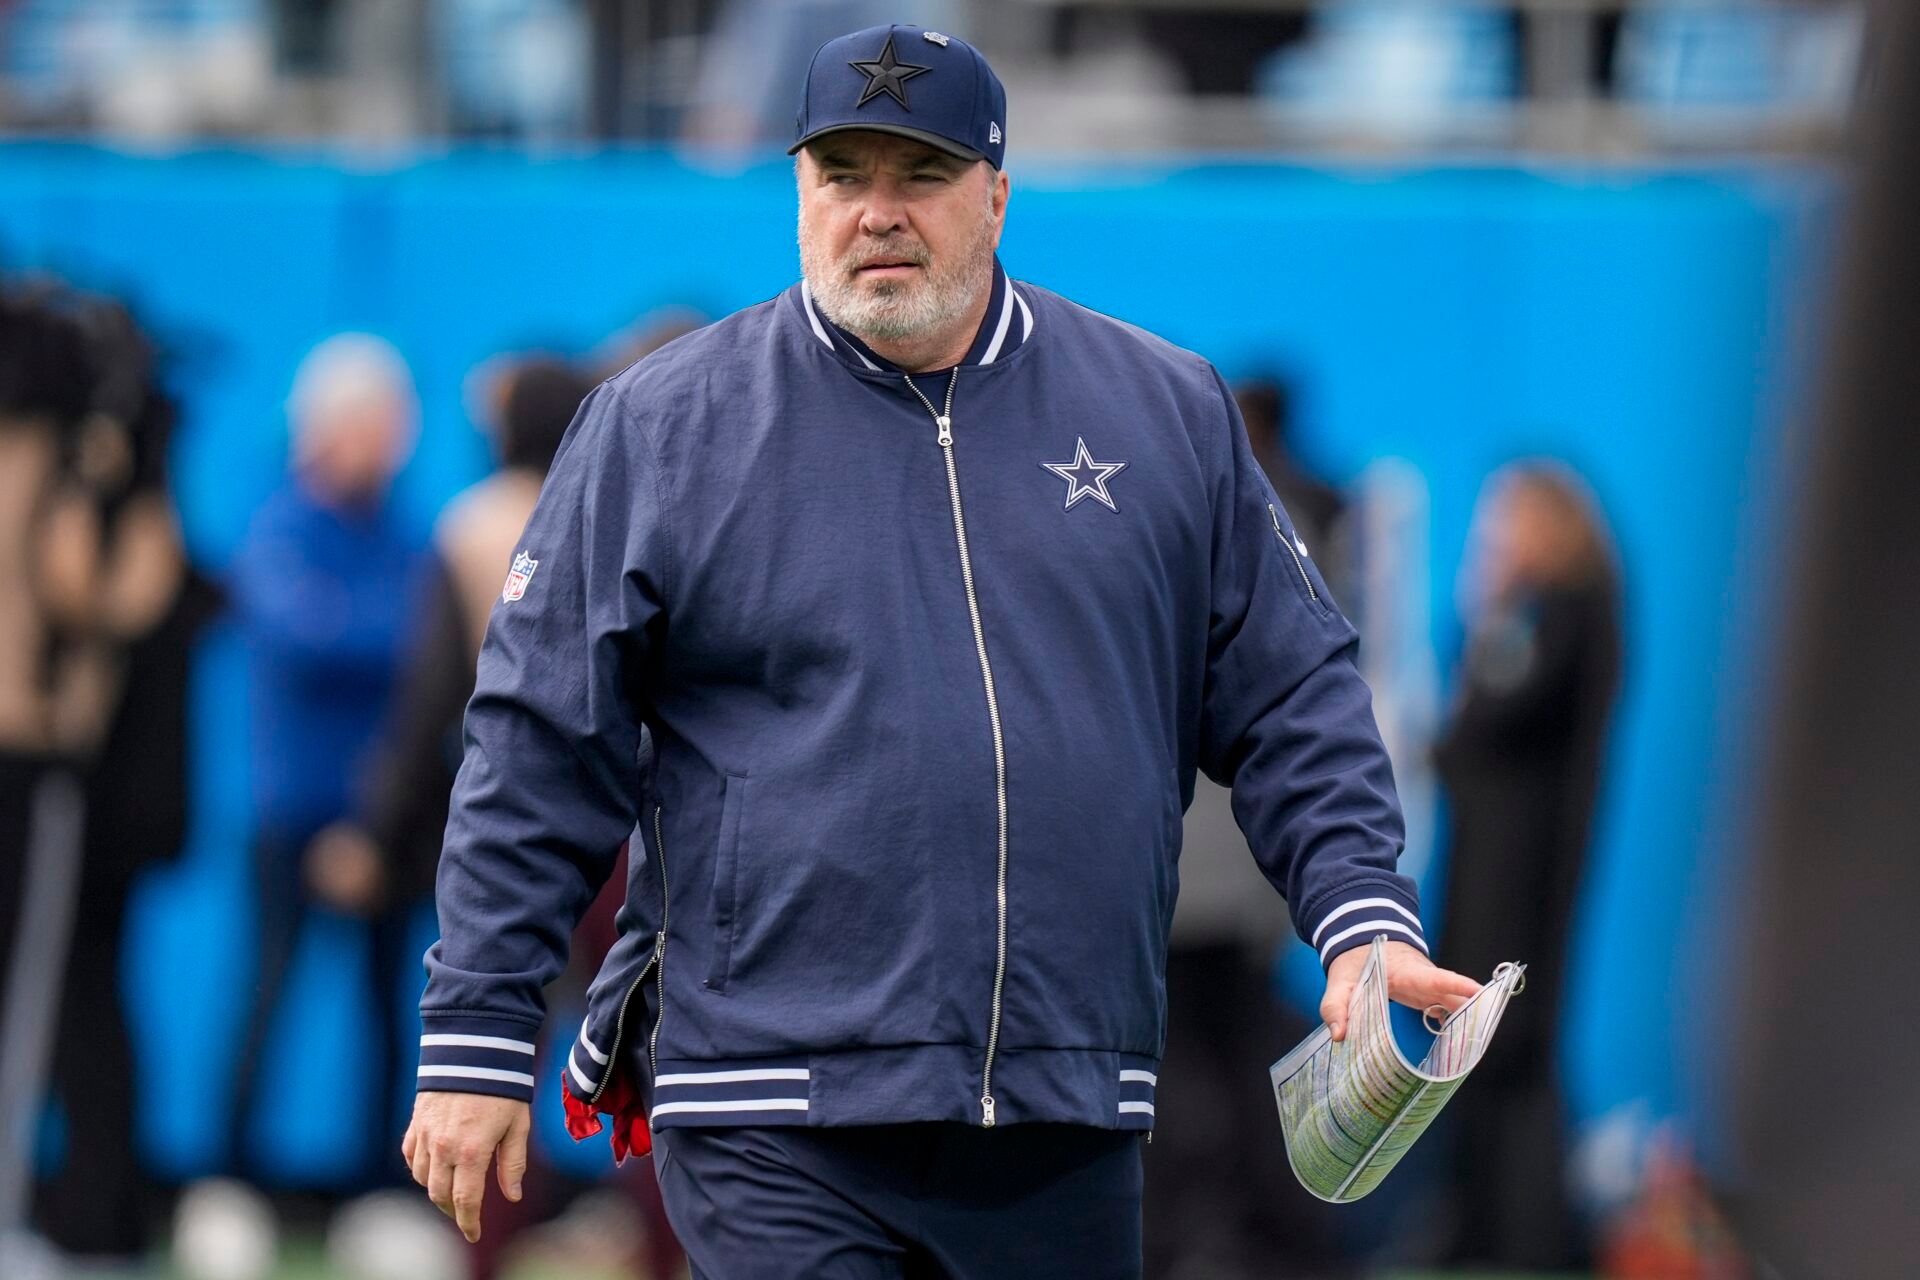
pixel 986 1111
pixel 660 944
pixel 1276 522
pixel 946 441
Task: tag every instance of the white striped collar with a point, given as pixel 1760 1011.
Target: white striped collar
pixel 1006 327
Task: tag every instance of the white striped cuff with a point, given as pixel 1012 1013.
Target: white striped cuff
pixel 464 1054
pixel 1357 917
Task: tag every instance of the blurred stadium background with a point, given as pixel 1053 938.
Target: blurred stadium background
pixel 1457 233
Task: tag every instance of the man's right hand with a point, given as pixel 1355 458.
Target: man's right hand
pixel 452 1140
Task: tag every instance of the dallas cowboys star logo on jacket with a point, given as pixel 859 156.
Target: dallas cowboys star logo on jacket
pixel 1086 478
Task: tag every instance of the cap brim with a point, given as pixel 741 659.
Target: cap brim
pixel 933 140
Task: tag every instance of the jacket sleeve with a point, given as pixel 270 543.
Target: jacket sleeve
pixel 1287 723
pixel 546 790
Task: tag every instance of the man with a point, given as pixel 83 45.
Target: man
pixel 933 590
pixel 383 859
pixel 323 586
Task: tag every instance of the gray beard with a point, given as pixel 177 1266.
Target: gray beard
pixel 888 311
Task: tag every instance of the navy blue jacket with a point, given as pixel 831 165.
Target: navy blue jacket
pixel 924 722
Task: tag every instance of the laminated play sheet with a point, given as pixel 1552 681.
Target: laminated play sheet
pixel 1351 1109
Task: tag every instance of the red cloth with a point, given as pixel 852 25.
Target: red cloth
pixel 621 1102
pixel 592 940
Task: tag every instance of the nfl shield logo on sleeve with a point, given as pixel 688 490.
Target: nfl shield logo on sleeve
pixel 518 577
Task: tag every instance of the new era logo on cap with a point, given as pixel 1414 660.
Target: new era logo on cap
pixel 945 96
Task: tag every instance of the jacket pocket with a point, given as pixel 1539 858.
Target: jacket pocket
pixel 1296 553
pixel 726 883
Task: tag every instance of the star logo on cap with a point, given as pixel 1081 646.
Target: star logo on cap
pixel 1086 478
pixel 887 74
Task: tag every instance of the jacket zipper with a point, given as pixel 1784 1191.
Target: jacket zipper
pixel 944 421
pixel 620 1026
pixel 659 950
pixel 1286 542
pixel 656 966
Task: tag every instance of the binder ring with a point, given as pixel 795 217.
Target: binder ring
pixel 1520 975
pixel 1430 1023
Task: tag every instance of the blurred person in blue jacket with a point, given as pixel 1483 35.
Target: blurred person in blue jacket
pixel 382 861
pixel 323 587
pixel 378 861
pixel 386 852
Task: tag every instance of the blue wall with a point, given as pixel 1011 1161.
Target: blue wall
pixel 1634 322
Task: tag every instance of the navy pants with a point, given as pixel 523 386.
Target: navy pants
pixel 902 1202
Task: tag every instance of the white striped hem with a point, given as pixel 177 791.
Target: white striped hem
pixel 476 1073
pixel 1136 1108
pixel 579 1076
pixel 731 1077
pixel 1143 1077
pixel 1360 904
pixel 443 1041
pixel 743 1104
pixel 1372 926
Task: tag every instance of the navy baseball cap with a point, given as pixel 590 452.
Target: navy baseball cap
pixel 909 81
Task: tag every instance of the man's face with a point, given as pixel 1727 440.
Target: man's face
pixel 349 455
pixel 896 237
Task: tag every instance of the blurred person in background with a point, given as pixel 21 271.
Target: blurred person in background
pixel 94 652
pixel 137 795
pixel 323 587
pixel 647 334
pixel 1318 509
pixel 1220 1202
pixel 383 857
pixel 45 389
pixel 380 863
pixel 1521 762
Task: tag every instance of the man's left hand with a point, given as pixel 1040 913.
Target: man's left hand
pixel 1412 980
